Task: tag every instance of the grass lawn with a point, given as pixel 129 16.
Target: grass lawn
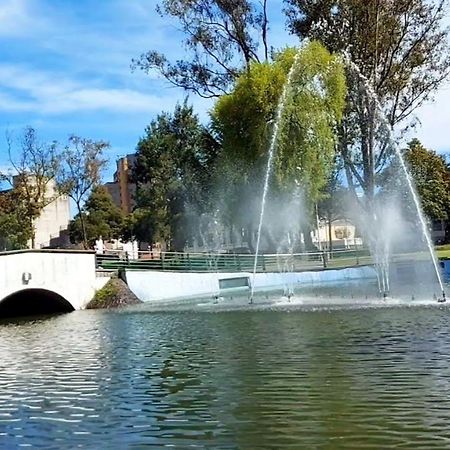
pixel 443 251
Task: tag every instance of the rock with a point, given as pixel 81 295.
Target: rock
pixel 114 294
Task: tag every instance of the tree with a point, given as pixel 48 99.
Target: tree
pixel 223 38
pixel 140 225
pixel 397 46
pixel 15 230
pixel 305 149
pixel 35 165
pixel 335 203
pixel 81 166
pixel 101 218
pixel 173 174
pixel 431 175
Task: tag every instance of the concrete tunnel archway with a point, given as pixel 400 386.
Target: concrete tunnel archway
pixel 30 302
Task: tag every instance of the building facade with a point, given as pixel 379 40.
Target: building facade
pixel 122 189
pixel 439 230
pixel 342 234
pixel 50 228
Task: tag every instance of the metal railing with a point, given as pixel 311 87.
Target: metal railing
pixel 230 262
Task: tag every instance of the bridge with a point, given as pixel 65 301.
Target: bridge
pixel 46 281
pixel 51 281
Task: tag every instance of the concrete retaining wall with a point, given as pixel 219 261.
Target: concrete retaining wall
pixel 154 285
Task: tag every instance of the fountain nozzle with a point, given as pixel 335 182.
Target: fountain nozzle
pixel 443 299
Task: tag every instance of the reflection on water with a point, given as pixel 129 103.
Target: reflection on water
pixel 351 379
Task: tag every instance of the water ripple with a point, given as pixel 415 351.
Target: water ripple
pixel 346 379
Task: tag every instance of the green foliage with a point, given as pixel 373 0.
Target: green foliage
pixel 443 251
pixel 105 296
pixel 114 294
pixel 400 47
pixel 315 102
pixel 334 203
pixel 15 228
pixel 80 170
pixel 140 225
pixel 244 121
pixel 431 176
pixel 35 165
pixel 221 37
pixel 173 175
pixel 306 149
pixel 242 118
pixel 102 218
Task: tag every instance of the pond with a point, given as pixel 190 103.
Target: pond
pixel 294 377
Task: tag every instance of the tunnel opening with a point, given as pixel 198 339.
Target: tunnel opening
pixel 32 302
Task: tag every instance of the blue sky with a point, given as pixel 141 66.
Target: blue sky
pixel 65 68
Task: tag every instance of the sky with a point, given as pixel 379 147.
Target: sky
pixel 65 69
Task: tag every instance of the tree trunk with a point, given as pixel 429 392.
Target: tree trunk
pixel 33 234
pixel 306 230
pixel 265 23
pixel 83 226
pixel 369 170
pixel 330 236
pixel 249 238
pixel 272 246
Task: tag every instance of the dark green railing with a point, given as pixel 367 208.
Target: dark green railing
pixel 222 262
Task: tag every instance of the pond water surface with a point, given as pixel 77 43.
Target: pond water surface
pixel 294 378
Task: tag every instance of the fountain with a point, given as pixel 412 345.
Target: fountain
pixel 380 246
pixel 232 280
pixel 272 148
pixel 384 263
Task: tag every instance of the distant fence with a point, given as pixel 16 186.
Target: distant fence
pixel 229 262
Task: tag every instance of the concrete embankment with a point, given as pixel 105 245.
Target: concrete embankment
pixel 157 285
pixel 114 294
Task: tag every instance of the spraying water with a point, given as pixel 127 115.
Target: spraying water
pixel 383 272
pixel 272 148
pixel 373 95
pixel 422 221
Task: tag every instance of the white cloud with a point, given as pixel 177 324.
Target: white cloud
pixel 11 104
pixel 124 100
pixel 89 52
pixel 25 90
pixel 19 18
pixel 33 82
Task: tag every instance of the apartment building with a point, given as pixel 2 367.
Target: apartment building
pixel 122 189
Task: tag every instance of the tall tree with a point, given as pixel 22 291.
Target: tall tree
pixel 34 167
pixel 15 229
pixel 335 203
pixel 400 47
pixel 305 149
pixel 173 173
pixel 140 225
pixel 82 162
pixel 101 218
pixel 222 38
pixel 431 176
